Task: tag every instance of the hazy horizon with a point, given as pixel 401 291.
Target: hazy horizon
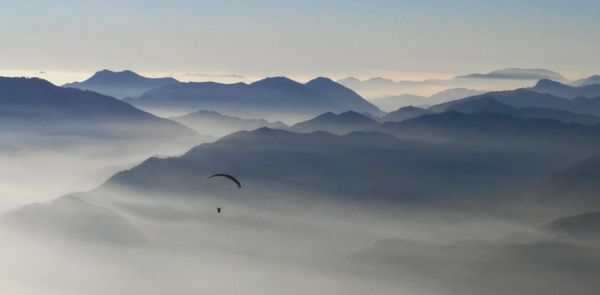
pixel 210 40
pixel 454 148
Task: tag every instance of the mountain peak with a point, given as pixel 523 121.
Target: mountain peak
pixel 275 81
pixel 121 84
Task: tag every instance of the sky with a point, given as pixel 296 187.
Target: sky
pixel 64 40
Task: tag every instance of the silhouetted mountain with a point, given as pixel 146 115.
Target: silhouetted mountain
pixel 491 105
pixel 405 113
pixel 362 166
pixel 483 104
pixel 497 80
pixel 120 84
pixel 336 123
pixel 392 103
pixel 499 131
pixel 70 217
pixel 271 96
pixel 215 124
pixel 592 80
pixel 523 98
pixel 34 106
pixel 585 227
pixel 563 90
pixel 518 74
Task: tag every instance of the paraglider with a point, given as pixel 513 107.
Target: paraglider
pixel 230 177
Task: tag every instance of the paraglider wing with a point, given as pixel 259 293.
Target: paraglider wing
pixel 228 177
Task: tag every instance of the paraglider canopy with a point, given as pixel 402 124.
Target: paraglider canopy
pixel 230 177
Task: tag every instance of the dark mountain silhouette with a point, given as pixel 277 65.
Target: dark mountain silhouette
pixel 491 105
pixel 563 90
pixel 584 227
pixel 35 106
pixel 524 98
pixel 497 130
pixel 483 104
pixel 336 123
pixel 367 167
pixel 518 74
pixel 120 84
pixel 405 113
pixel 71 217
pixel 269 96
pixel 215 124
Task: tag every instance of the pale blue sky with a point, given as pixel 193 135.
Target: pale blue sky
pixel 398 39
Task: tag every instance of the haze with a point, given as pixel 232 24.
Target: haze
pixel 300 147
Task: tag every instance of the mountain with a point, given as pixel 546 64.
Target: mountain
pixel 584 227
pixel 491 105
pixel 563 90
pixel 592 80
pixel 120 84
pixel 524 98
pixel 511 78
pixel 215 124
pixel 405 113
pixel 498 130
pixel 34 110
pixel 71 217
pixel 336 123
pixel 392 103
pixel 518 74
pixel 268 97
pixel 483 104
pixel 365 167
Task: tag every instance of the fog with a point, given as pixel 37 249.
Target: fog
pixel 63 232
pixel 325 247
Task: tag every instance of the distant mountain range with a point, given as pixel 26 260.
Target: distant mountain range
pixel 510 78
pixel 567 91
pixel 525 98
pixel 216 124
pixel 120 84
pixel 499 130
pixel 271 97
pixel 32 109
pixel 517 74
pixel 337 123
pixel 392 103
pixel 491 105
pixel 595 79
